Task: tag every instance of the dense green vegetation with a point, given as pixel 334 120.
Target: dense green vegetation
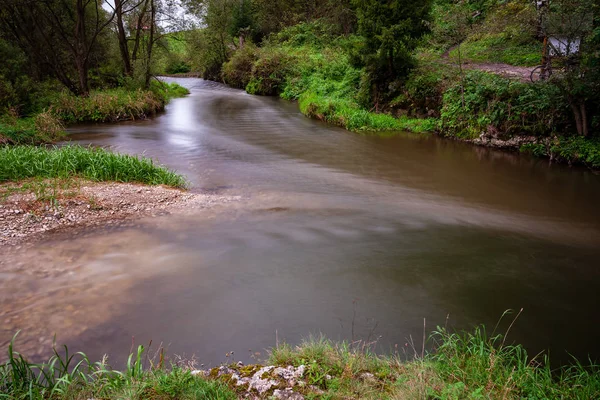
pixel 23 162
pixel 468 365
pixel 74 61
pixel 382 65
pixel 74 376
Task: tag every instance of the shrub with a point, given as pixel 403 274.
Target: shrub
pixel 269 72
pixel 237 72
pixel 43 128
pixel 573 150
pixel 501 106
pixel 115 104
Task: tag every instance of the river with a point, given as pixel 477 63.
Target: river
pixel 358 237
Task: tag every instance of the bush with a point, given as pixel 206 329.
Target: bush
pixel 269 72
pixel 43 128
pixel 501 106
pixel 115 104
pixel 237 72
pixel 573 150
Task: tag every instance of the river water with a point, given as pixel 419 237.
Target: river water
pixel 358 237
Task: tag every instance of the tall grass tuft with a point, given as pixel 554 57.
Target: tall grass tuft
pixel 43 128
pixel 22 162
pixel 113 105
pixel 74 376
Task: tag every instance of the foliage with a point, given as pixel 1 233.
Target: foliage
pixel 115 104
pixel 424 88
pixel 67 376
pixel 309 64
pixel 43 128
pixel 269 72
pixel 23 162
pixel 573 150
pixel 445 24
pixel 237 72
pixel 507 35
pixel 502 106
pixel 391 30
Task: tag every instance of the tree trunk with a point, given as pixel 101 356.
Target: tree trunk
pixel 138 31
pixel 123 47
pixel 577 116
pixel 150 45
pixel 584 121
pixel 80 49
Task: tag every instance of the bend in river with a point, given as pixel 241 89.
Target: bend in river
pixel 353 236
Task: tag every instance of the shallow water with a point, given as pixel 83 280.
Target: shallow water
pixel 354 236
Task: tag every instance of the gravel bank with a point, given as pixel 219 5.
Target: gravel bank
pixel 25 218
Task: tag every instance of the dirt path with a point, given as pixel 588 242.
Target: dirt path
pixel 509 71
pixel 506 70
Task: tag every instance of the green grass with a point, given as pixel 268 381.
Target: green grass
pixel 464 365
pixel 74 376
pixel 497 48
pixel 113 105
pixel 349 115
pixel 43 128
pixel 109 105
pixel 23 162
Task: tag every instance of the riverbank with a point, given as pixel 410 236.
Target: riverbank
pixel 34 210
pixel 44 190
pixel 57 108
pixel 310 64
pixel 462 365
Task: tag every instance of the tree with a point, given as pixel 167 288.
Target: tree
pixel 58 35
pixel 391 29
pixel 571 26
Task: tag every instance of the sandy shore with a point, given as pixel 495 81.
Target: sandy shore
pixel 27 216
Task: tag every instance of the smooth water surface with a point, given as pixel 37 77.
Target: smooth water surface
pixel 355 236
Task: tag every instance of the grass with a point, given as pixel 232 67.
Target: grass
pixel 108 105
pixel 48 192
pixel 463 365
pixel 115 104
pixel 74 376
pixel 467 365
pixel 43 128
pixel 496 48
pixel 96 164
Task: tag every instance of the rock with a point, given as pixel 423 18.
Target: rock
pixel 287 394
pixel 259 384
pixel 367 376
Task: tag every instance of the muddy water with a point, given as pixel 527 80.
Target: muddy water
pixel 353 236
